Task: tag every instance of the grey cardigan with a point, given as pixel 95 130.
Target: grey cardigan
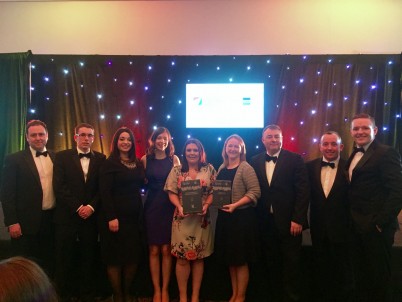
pixel 245 183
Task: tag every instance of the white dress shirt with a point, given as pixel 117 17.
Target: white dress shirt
pixel 328 176
pixel 269 169
pixel 84 162
pixel 358 156
pixel 85 166
pixel 44 165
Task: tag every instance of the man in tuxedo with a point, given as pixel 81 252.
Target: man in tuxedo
pixel 76 186
pixel 330 222
pixel 28 200
pixel 282 212
pixel 375 196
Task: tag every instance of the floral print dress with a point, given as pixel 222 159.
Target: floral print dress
pixel 192 236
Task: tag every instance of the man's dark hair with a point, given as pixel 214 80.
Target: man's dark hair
pixel 32 123
pixel 83 125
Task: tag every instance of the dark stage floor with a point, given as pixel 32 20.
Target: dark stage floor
pixel 216 281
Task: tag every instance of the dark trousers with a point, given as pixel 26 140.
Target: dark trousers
pixel 372 261
pixel 333 272
pixel 282 256
pixel 75 260
pixel 38 247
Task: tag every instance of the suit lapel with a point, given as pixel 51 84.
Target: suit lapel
pixel 31 165
pixel 364 159
pixel 261 166
pixel 280 162
pixel 92 163
pixel 52 156
pixel 317 172
pixel 77 164
pixel 338 176
pixel 369 152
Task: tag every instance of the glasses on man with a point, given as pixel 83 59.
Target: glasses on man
pixel 83 135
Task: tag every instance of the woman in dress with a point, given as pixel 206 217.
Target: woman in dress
pixel 236 236
pixel 121 178
pixel 192 237
pixel 158 210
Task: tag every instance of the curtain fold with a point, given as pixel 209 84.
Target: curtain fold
pixel 325 96
pixel 14 99
pixel 305 95
pixel 88 89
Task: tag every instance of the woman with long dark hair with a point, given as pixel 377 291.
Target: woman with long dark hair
pixel 121 179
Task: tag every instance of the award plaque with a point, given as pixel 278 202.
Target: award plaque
pixel 191 196
pixel 222 193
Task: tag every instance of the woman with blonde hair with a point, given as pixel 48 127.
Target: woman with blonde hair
pixel 236 235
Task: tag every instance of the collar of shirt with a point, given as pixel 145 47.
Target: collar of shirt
pixel 276 154
pixel 336 161
pixel 33 151
pixel 365 147
pixel 80 151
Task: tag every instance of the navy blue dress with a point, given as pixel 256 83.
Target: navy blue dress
pixel 158 210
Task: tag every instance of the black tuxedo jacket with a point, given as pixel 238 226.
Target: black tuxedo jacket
pixel 288 192
pixel 376 188
pixel 70 186
pixel 21 191
pixel 329 216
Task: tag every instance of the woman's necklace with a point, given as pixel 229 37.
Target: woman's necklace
pixel 128 164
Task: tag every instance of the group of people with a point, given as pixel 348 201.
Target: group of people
pixel 353 204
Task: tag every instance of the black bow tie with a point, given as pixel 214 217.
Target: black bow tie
pixel 356 150
pixel 44 153
pixel 87 155
pixel 325 164
pixel 268 158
